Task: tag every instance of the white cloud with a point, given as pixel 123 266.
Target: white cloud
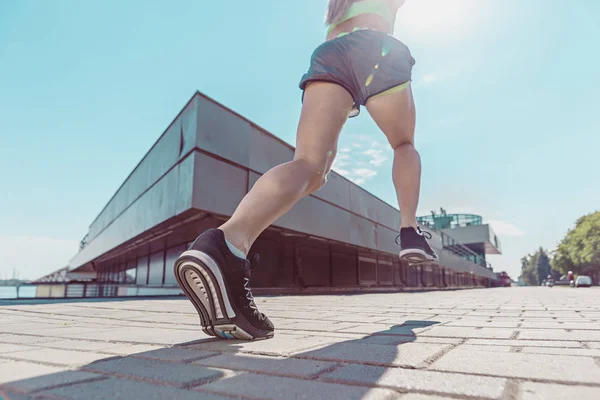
pixel 340 171
pixel 378 157
pixel 364 173
pixel 503 228
pixel 34 256
pixel 360 158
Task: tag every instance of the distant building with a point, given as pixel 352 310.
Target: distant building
pixel 465 230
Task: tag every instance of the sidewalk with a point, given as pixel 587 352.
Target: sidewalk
pixel 512 343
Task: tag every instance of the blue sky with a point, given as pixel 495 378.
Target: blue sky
pixel 506 92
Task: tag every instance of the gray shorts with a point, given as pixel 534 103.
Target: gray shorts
pixel 364 62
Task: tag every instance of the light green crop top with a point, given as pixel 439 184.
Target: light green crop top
pixel 377 7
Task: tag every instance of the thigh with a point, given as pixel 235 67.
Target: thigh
pixel 394 113
pixel 325 110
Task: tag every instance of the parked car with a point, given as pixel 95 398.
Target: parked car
pixel 563 282
pixel 583 281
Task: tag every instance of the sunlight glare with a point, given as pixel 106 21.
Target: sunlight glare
pixel 434 18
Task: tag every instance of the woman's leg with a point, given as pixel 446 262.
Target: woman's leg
pixel 324 112
pixel 394 113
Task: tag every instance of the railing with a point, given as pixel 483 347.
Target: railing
pixel 448 243
pixel 84 242
pixel 85 290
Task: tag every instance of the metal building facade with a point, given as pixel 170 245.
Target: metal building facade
pixel 339 238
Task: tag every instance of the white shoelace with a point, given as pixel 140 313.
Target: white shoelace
pixel 249 294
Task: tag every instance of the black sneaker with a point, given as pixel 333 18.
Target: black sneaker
pixel 414 246
pixel 216 281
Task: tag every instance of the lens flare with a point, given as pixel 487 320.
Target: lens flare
pixel 386 49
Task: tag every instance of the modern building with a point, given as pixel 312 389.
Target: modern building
pixel 341 238
pixel 464 231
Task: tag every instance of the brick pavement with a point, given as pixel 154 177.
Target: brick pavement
pixel 506 344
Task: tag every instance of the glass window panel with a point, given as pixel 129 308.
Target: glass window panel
pixel 142 272
pixel 130 273
pixel 172 255
pixel 156 268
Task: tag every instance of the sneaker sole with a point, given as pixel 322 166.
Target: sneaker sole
pixel 201 280
pixel 416 256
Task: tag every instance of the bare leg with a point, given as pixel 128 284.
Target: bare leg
pixel 324 112
pixel 395 114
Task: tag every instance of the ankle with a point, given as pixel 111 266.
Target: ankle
pixel 237 241
pixel 413 225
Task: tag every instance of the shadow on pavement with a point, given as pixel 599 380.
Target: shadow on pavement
pixel 166 373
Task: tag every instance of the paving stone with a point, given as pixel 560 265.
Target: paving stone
pixel 147 336
pixel 52 380
pixel 80 333
pixel 446 312
pixel 11 348
pixel 358 318
pixel 419 380
pixel 158 371
pixel 466 332
pixel 408 354
pixel 410 319
pixel 395 340
pixel 58 357
pixel 387 329
pixel 483 323
pixel 279 345
pixel 282 322
pixel 594 326
pixel 295 315
pixel 122 389
pixel 566 352
pixel 318 326
pixel 544 391
pixel 478 347
pixel 342 335
pixel 176 354
pixel 16 370
pixel 130 349
pixel 529 343
pixel 519 365
pixel 270 365
pixel 24 339
pixel 172 319
pixel 273 387
pixel 558 334
pixel 82 345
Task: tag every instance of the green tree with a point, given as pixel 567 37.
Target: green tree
pixel 542 264
pixel 535 267
pixel 580 248
pixel 527 270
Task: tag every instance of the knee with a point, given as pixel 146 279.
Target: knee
pixel 315 174
pixel 400 145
